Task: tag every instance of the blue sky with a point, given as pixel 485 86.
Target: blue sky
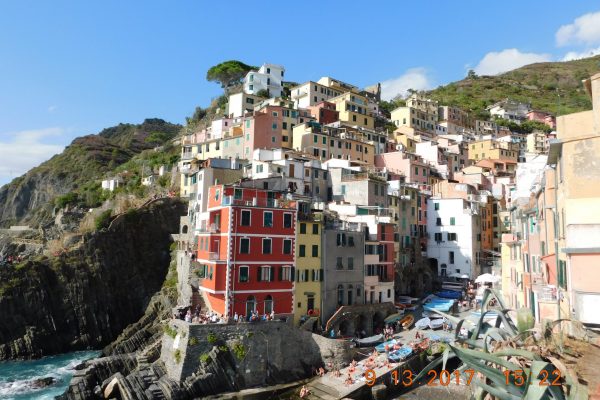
pixel 70 68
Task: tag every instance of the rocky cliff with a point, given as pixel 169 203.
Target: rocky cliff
pixel 86 297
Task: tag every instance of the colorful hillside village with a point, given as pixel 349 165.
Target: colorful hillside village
pixel 311 200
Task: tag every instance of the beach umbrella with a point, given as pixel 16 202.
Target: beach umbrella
pixel 486 278
pixel 458 275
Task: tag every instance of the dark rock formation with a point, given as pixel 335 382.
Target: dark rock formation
pixel 86 297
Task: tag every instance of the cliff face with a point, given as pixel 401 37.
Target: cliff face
pixel 86 297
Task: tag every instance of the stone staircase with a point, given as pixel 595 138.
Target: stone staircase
pixel 320 391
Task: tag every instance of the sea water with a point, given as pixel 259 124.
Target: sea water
pixel 17 377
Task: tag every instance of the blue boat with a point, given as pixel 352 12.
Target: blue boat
pixel 449 294
pixel 444 307
pixel 390 343
pixel 401 354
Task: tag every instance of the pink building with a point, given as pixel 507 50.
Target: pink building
pixel 324 112
pixel 411 166
pixel 543 117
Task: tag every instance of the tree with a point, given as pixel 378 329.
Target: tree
pixel 228 73
pixel 263 93
pixel 471 74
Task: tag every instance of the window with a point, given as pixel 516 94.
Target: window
pixel 287 246
pixel 562 274
pixel 479 237
pixel 268 218
pixel 303 228
pixel 245 218
pixel 438 221
pixel 438 237
pixel 286 274
pixel 268 304
pixel 287 220
pixel 452 237
pixel 350 262
pixel 340 295
pixel 354 118
pixel 244 274
pixel 343 189
pixel 350 241
pixel 315 250
pixel 436 206
pixel 451 257
pixel 302 250
pixel 339 263
pixel 266 246
pixel 315 139
pixel 259 168
pixel 452 221
pixel 244 246
pixel 316 173
pixel 251 87
pixel 265 274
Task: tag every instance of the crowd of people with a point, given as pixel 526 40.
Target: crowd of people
pixel 198 317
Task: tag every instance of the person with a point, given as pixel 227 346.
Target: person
pixel 332 333
pixel 272 315
pixel 235 317
pixel 188 316
pixel 304 392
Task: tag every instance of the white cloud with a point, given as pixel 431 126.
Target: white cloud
pixel 21 151
pixel 585 29
pixel 414 78
pixel 576 55
pixel 497 62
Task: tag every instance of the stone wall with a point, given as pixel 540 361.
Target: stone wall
pixel 246 355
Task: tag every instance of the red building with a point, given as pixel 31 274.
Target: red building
pixel 324 112
pixel 248 251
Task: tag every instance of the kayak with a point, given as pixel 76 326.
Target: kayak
pixel 449 294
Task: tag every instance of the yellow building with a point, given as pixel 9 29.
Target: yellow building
pixel 319 141
pixel 354 109
pixel 492 149
pixel 309 271
pixel 406 140
pixel 419 113
pixel 512 270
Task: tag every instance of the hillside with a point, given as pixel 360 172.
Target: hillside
pixel 538 84
pixel 29 198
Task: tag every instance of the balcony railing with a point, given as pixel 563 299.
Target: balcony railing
pixel 212 228
pixel 214 256
pixel 187 156
pixel 258 202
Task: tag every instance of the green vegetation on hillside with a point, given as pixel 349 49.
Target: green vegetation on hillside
pixel 539 84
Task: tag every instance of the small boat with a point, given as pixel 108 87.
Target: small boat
pixel 423 323
pixel 449 294
pixel 436 323
pixel 401 354
pixel 369 341
pixel 407 321
pixel 393 317
pixel 390 345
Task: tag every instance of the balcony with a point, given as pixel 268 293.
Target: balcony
pixel 258 202
pixel 214 256
pixel 187 156
pixel 212 228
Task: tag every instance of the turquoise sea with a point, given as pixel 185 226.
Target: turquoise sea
pixel 17 377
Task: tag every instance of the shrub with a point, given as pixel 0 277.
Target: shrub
pixel 223 348
pixel 212 338
pixel 205 358
pixel 66 199
pixel 239 350
pixel 193 341
pixel 177 356
pixel 169 330
pixel 103 220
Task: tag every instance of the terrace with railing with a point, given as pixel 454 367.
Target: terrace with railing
pixel 259 202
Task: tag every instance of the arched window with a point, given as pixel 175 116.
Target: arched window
pixel 340 291
pixel 250 305
pixel 268 304
pixel 184 229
